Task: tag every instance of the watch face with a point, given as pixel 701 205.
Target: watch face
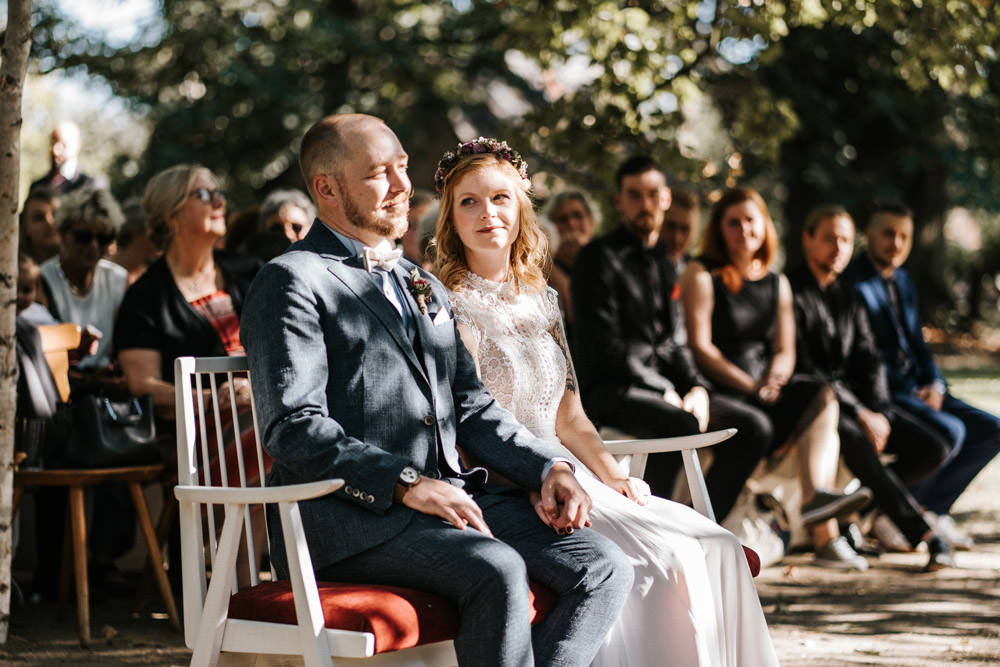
pixel 408 475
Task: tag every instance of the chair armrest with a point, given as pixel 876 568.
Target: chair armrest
pixel 656 445
pixel 253 495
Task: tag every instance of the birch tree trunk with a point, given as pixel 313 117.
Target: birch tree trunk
pixel 16 47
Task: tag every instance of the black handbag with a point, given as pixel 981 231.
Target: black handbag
pixel 109 434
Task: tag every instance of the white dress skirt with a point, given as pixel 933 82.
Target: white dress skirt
pixel 694 602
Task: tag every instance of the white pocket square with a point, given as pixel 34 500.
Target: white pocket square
pixel 441 317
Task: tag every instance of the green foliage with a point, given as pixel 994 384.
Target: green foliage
pixel 575 86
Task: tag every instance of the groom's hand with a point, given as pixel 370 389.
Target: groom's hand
pixel 564 501
pixel 433 496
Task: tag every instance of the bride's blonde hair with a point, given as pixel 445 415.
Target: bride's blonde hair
pixel 529 250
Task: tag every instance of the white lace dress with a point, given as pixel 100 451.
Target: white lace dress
pixel 694 601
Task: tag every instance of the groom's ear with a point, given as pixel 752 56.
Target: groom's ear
pixel 327 192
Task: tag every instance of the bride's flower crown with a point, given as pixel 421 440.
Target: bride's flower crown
pixel 480 145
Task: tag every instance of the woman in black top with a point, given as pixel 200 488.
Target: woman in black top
pixel 188 302
pixel 741 328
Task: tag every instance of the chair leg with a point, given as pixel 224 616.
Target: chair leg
pixel 15 503
pixel 66 570
pixel 79 521
pixel 168 517
pixel 155 557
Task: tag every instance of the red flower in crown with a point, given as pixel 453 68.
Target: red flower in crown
pixel 480 146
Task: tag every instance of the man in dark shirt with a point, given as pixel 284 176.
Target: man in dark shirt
pixel 64 151
pixel 635 372
pixel 915 382
pixel 834 343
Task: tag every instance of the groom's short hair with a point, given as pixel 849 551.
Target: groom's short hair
pixel 326 144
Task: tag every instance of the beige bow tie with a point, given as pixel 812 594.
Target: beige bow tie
pixel 379 258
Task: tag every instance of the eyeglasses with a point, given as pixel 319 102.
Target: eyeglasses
pixel 207 196
pixel 86 237
pixel 564 218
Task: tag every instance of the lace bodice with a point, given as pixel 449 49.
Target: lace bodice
pixel 519 349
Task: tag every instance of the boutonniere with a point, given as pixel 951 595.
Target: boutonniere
pixel 420 288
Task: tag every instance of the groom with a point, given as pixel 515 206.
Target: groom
pixel 355 381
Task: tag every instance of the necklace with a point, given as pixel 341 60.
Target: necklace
pixel 197 283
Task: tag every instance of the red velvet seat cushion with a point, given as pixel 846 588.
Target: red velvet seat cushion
pixel 398 617
pixel 753 560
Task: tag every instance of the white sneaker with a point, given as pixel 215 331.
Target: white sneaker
pixel 889 536
pixel 945 528
pixel 839 555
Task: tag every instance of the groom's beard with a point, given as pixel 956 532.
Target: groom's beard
pixel 387 224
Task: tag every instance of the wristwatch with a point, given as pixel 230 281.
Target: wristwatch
pixel 409 476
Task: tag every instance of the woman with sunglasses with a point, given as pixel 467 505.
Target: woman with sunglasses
pixel 79 284
pixel 188 301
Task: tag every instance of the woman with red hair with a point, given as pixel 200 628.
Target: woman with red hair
pixel 741 328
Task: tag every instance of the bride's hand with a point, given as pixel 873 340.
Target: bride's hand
pixel 632 488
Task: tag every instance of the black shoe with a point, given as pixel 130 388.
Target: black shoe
pixel 940 555
pixel 825 505
pixel 852 533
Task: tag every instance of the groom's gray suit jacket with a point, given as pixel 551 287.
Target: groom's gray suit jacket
pixel 342 392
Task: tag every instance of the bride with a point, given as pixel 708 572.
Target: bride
pixel 694 601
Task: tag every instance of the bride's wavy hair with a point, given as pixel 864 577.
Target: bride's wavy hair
pixel 528 254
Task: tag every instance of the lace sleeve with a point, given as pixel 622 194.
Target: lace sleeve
pixel 558 332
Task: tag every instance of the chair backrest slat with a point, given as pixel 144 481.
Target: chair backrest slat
pixel 209 426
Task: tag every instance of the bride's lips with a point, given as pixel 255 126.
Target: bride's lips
pixel 487 230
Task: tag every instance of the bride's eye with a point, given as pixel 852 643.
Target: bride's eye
pixel 466 201
pixel 501 196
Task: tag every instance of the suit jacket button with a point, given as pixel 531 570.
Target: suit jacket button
pixel 347 490
pixel 356 493
pixel 371 498
pixel 429 420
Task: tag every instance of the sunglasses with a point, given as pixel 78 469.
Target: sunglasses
pixel 294 226
pixel 86 237
pixel 207 196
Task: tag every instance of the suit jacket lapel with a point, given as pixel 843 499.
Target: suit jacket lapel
pixel 349 269
pixel 422 324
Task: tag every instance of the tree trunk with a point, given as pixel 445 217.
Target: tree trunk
pixel 16 47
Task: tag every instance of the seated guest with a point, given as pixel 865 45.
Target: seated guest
pixel 188 301
pixel 289 212
pixel 834 343
pixel 366 383
pixel 915 382
pixel 79 285
pixel 82 287
pixel 573 216
pixel 680 223
pixel 134 248
pixel 741 326
pixel 636 373
pixel 697 602
pixel 39 236
pixel 28 308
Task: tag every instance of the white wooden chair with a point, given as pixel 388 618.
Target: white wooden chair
pixel 283 620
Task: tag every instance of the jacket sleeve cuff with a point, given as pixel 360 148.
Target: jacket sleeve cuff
pixel 548 466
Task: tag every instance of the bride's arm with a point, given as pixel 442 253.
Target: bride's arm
pixel 470 338
pixel 577 433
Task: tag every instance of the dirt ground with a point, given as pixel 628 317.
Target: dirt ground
pixel 892 614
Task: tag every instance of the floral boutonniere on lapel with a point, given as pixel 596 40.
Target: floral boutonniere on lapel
pixel 420 288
